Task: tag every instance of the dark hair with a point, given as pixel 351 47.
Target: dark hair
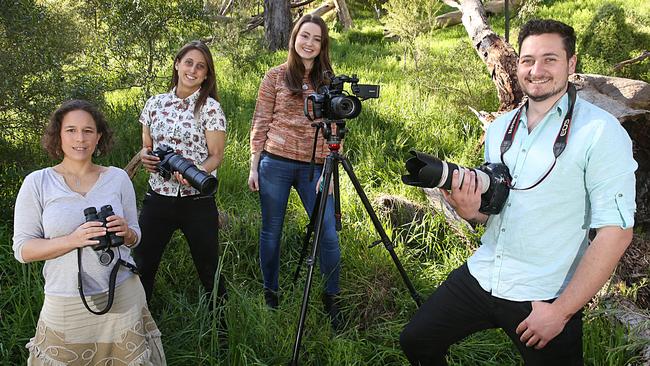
pixel 295 67
pixel 543 26
pixel 209 85
pixel 51 140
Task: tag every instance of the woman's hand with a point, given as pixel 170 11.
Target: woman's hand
pixel 84 234
pixel 149 162
pixel 253 181
pixel 181 180
pixel 118 225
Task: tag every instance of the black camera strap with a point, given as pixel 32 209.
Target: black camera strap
pixel 560 140
pixel 111 282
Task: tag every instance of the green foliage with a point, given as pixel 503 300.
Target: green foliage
pixel 37 44
pixel 610 39
pixel 133 42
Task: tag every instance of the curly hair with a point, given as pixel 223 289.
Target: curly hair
pixel 536 27
pixel 51 140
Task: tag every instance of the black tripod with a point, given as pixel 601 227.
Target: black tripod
pixel 330 169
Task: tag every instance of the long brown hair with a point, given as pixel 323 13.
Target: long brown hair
pixel 295 67
pixel 209 85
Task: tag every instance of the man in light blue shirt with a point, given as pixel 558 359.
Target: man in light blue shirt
pixel 536 268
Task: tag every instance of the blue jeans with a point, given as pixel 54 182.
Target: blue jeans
pixel 276 177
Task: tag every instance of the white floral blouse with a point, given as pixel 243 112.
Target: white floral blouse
pixel 171 122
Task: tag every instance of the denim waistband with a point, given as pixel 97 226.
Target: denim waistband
pixel 282 158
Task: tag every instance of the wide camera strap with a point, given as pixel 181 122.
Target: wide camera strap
pixel 111 282
pixel 560 140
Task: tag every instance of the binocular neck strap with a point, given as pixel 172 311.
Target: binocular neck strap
pixel 111 282
pixel 560 140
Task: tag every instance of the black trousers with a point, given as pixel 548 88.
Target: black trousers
pixel 197 217
pixel 460 307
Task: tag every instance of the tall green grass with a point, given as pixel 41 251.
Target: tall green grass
pixel 416 110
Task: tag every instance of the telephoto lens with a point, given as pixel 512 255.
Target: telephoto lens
pixel 105 212
pixel 171 162
pixel 91 215
pixel 429 171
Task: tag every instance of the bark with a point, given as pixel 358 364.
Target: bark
pixel 499 57
pixel 277 24
pixel 343 14
pixel 324 8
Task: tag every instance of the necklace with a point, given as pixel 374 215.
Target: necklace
pixel 305 86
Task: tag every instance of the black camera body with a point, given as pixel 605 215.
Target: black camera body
pixel 171 162
pixel 108 241
pixel 429 172
pixel 334 103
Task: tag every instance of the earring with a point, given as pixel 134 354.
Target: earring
pixel 97 152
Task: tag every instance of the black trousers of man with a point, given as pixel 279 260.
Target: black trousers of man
pixel 197 217
pixel 460 307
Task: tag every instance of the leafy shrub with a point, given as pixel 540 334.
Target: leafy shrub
pixel 609 39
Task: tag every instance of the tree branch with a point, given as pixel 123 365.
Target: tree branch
pixel 635 60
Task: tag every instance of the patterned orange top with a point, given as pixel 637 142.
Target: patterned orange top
pixel 279 124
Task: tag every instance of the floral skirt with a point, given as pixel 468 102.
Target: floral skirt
pixel 68 334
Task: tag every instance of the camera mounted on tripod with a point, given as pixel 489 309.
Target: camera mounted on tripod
pixel 333 103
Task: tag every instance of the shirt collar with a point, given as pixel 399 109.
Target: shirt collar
pixel 191 99
pixel 557 111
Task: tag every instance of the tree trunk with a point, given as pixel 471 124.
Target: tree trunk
pixel 499 56
pixel 277 24
pixel 343 14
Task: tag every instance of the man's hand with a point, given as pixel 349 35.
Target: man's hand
pixel 542 325
pixel 465 199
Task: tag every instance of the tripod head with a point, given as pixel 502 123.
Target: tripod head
pixel 333 137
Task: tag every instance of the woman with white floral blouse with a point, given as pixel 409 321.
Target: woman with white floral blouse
pixel 189 119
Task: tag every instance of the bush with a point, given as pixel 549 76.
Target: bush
pixel 608 40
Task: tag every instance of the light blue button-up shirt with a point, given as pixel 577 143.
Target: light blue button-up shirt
pixel 531 249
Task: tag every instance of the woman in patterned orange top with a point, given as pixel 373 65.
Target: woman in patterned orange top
pixel 281 142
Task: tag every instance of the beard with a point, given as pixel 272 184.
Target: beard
pixel 557 89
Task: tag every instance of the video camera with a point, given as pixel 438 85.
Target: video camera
pixel 333 103
pixel 428 171
pixel 171 162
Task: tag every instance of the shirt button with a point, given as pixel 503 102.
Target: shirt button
pixel 620 195
pixel 498 257
pixel 509 204
pixel 523 150
pixel 516 176
pixel 503 230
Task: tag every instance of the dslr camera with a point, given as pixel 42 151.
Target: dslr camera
pixel 333 103
pixel 171 162
pixel 106 242
pixel 430 172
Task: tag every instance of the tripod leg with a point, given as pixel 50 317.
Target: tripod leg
pixel 307 237
pixel 388 244
pixel 319 216
pixel 337 196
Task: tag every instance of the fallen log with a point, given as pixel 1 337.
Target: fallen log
pixel 491 8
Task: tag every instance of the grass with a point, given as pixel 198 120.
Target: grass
pixel 423 109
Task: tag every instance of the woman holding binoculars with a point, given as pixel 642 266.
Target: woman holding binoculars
pixel 49 225
pixel 189 120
